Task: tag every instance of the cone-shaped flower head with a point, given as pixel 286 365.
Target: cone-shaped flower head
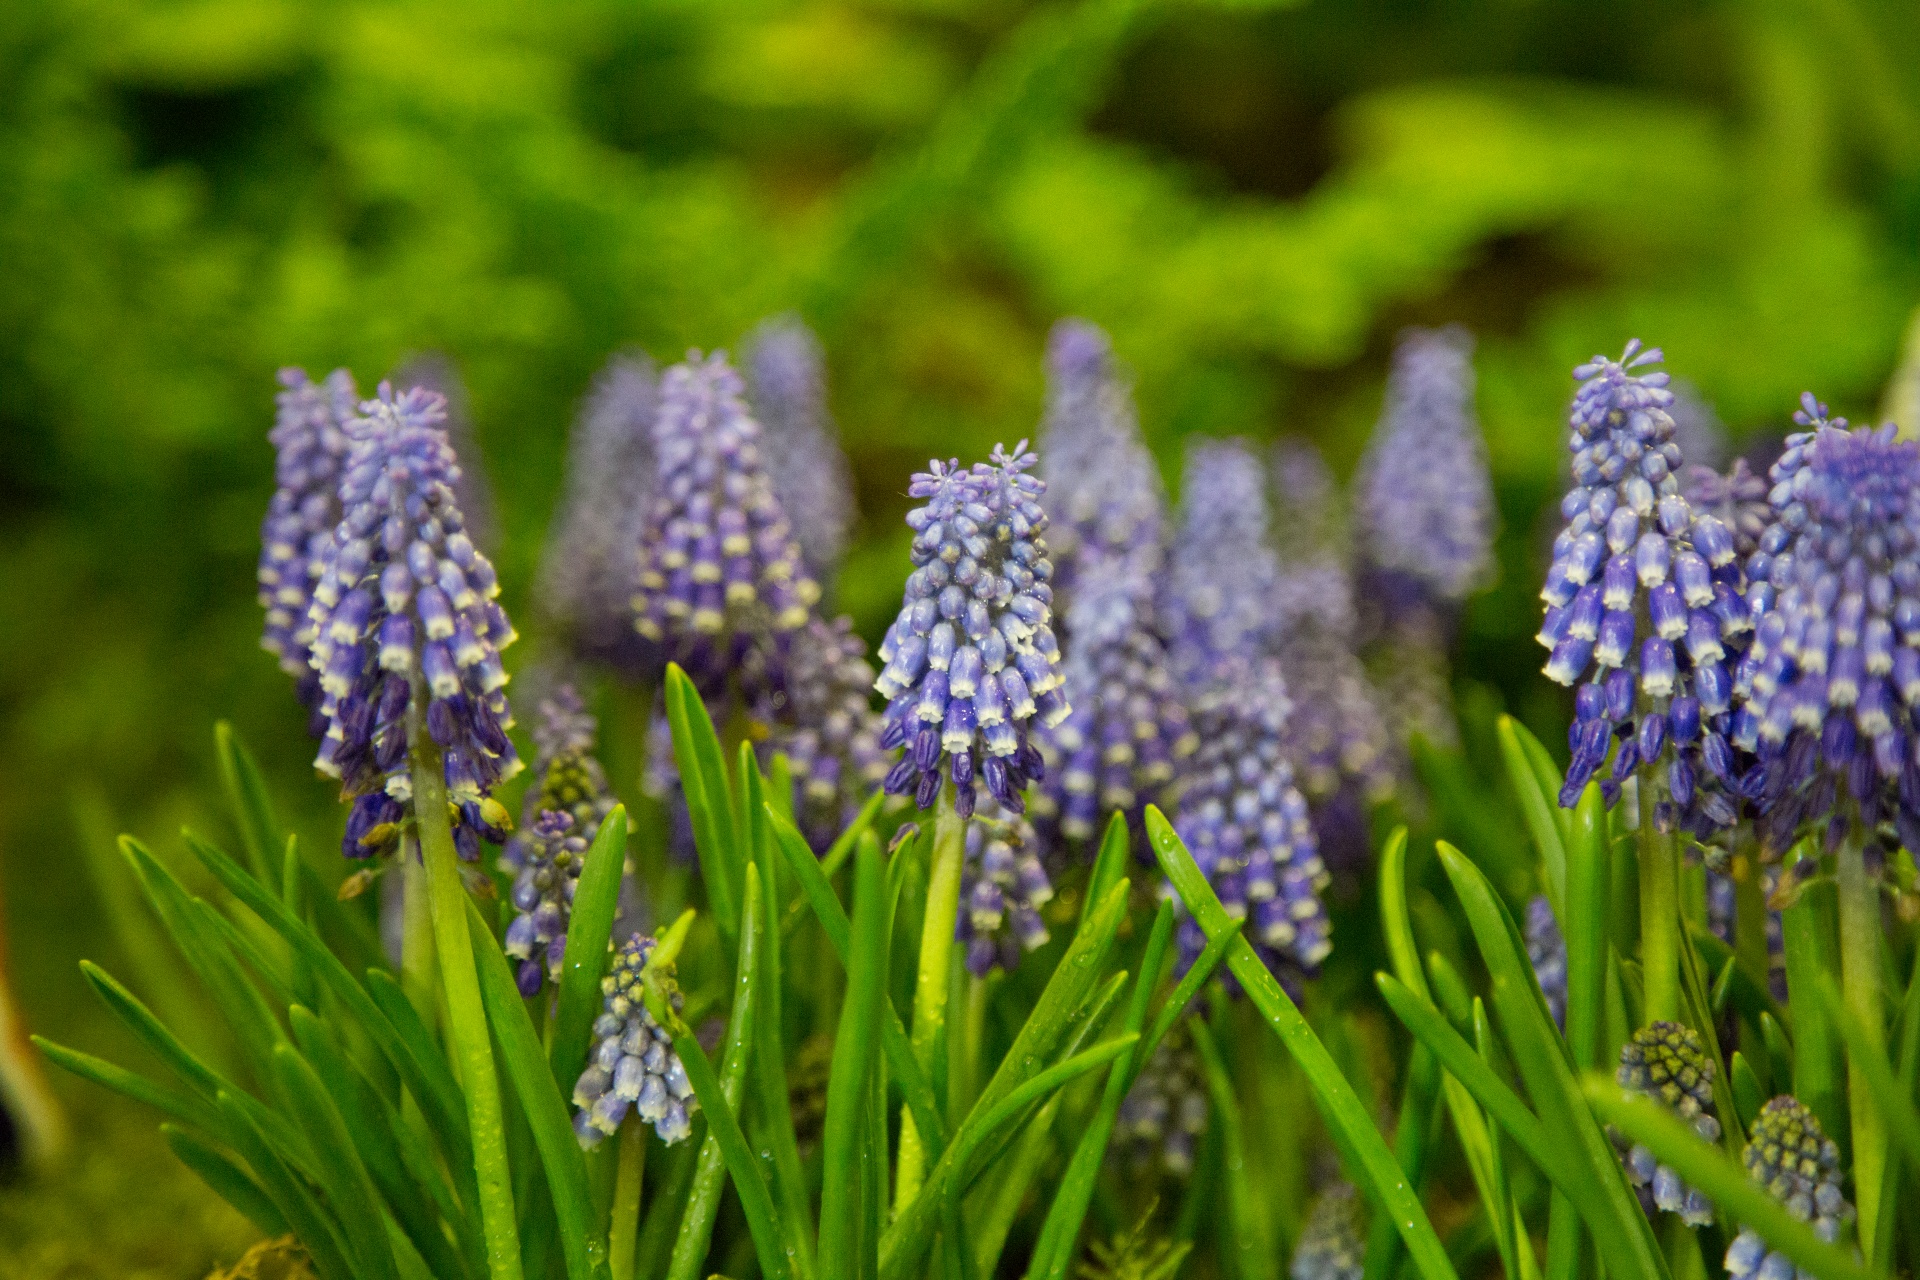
pixel 719 565
pixel 1117 751
pixel 820 714
pixel 1246 823
pixel 310 444
pixel 971 662
pixel 1799 1165
pixel 1547 949
pixel 1833 676
pixel 433 371
pixel 1333 1243
pixel 406 629
pixel 587 570
pixel 1222 573
pixel 563 815
pixel 632 1065
pixel 810 477
pixel 1425 505
pixel 1162 1117
pixel 1002 889
pixel 1103 486
pixel 1737 499
pixel 1666 1063
pixel 1643 594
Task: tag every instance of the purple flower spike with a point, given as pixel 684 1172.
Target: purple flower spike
pixel 435 372
pixel 1103 488
pixel 1247 825
pixel 818 712
pixel 1162 1118
pixel 1002 890
pixel 1639 601
pixel 1222 573
pixel 632 1065
pixel 788 377
pixel 405 620
pixel 971 661
pixel 1120 746
pixel 587 572
pixel 1425 497
pixel 719 566
pixel 1833 677
pixel 310 442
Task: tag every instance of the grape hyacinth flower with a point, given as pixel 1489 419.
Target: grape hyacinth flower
pixel 1104 495
pixel 971 661
pixel 562 817
pixel 310 443
pixel 587 570
pixel 1222 573
pixel 632 1065
pixel 1247 825
pixel 407 631
pixel 787 377
pixel 1002 890
pixel 434 372
pixel 1333 1243
pixel 1119 747
pixel 1425 495
pixel 1665 1062
pixel 1644 594
pixel 1547 950
pixel 1738 499
pixel 1162 1117
pixel 1799 1165
pixel 718 563
pixel 1833 674
pixel 1697 429
pixel 818 713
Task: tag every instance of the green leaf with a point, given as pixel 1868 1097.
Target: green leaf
pixel 543 1105
pixel 1537 783
pixel 1250 1253
pixel 228 1180
pixel 596 901
pixel 893 1033
pixel 1341 1107
pixel 1500 1203
pixel 129 1084
pixel 337 1163
pixel 1109 864
pixel 1747 1093
pixel 842 847
pixel 1611 1212
pixel 703 780
pixel 1707 1167
pixel 312 1225
pixel 719 1101
pixel 1584 925
pixel 252 809
pixel 1896 1104
pixel 1812 952
pixel 855 1051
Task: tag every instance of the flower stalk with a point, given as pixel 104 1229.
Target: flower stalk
pixel 931 983
pixel 1860 981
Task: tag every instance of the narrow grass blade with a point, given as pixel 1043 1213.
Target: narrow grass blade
pixel 1109 864
pixel 1584 925
pixel 894 1041
pixel 528 1072
pixel 130 1084
pixel 1074 981
pixel 1187 988
pixel 1779 1053
pixel 1053 1252
pixel 842 847
pixel 341 1172
pixel 1896 1104
pixel 1500 1206
pixel 596 900
pixel 309 1220
pixel 1600 1191
pixel 1539 794
pixel 252 810
pixel 1705 1166
pixel 228 1180
pixel 1250 1253
pixel 1812 952
pixel 1747 1093
pixel 703 779
pixel 1341 1107
pixel 856 1046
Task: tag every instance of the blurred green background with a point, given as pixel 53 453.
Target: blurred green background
pixel 1252 198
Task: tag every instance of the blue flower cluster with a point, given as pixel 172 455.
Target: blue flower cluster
pixel 1799 1165
pixel 1645 594
pixel 1333 1243
pixel 787 376
pixel 1160 1121
pixel 719 567
pixel 816 708
pixel 1833 674
pixel 632 1065
pixel 1223 575
pixel 309 437
pixel 971 661
pixel 1003 888
pixel 407 633
pixel 1666 1062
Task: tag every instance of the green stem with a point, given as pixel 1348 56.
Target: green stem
pixel 930 984
pixel 1659 913
pixel 417 960
pixel 626 1198
pixel 466 1018
pixel 1860 980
